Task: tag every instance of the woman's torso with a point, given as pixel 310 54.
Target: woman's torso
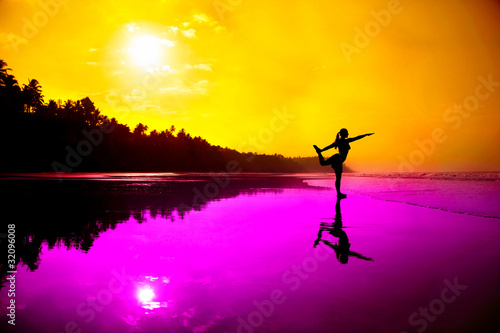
pixel 344 147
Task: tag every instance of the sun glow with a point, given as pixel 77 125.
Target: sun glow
pixel 145 294
pixel 148 51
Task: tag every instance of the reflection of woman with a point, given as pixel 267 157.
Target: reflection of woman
pixel 342 249
pixel 342 143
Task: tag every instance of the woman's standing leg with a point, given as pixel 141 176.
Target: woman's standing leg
pixel 338 177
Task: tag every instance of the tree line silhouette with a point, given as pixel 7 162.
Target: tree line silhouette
pixel 38 136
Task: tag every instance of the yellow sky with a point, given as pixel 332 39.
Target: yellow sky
pixel 279 76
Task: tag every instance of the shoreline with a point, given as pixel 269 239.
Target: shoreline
pixel 465 193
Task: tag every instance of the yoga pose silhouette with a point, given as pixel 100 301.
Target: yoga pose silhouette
pixel 342 143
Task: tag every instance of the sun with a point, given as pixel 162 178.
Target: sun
pixel 148 51
pixel 145 294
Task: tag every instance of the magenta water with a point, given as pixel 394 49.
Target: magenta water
pixel 246 261
pixel 465 193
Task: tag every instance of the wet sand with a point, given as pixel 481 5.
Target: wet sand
pixel 247 263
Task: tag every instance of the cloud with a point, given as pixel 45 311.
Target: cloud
pixel 201 18
pixel 132 27
pixel 167 42
pixel 191 33
pixel 150 107
pixel 199 88
pixel 203 67
pixel 175 91
pixel 167 68
pixel 202 83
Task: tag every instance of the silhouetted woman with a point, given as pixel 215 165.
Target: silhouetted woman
pixel 342 143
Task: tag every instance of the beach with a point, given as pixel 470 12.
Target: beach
pixel 253 253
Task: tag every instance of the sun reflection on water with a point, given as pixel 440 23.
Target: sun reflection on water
pixel 145 294
pixel 147 297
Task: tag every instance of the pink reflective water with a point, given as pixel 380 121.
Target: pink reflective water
pixel 248 264
pixel 466 193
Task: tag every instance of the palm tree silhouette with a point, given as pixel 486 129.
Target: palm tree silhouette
pixel 10 94
pixel 3 72
pixel 91 114
pixel 140 129
pixel 32 93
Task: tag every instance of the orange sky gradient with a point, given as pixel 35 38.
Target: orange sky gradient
pixel 414 72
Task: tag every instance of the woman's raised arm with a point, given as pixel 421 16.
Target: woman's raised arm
pixel 329 147
pixel 359 137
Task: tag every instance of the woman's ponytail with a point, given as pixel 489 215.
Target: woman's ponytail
pixel 337 139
